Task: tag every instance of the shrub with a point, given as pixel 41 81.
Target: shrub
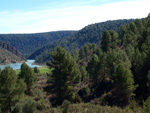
pixel 27 105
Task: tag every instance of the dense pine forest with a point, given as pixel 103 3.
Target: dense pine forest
pixel 91 33
pixel 39 44
pixel 29 43
pixel 109 75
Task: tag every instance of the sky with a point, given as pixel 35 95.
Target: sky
pixel 33 16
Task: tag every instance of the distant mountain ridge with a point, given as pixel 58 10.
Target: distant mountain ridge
pixel 29 43
pixel 91 33
pixel 9 54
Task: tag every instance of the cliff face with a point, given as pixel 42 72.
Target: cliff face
pixel 11 49
pixel 9 54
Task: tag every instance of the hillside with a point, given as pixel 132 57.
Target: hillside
pixel 9 54
pixel 29 43
pixel 7 57
pixel 11 49
pixel 91 33
pixel 115 73
pixel 113 77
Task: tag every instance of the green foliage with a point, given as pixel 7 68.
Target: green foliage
pixel 75 55
pixel 84 73
pixel 91 108
pixel 106 40
pixel 81 52
pixel 92 33
pixel 87 91
pixel 124 83
pixel 109 40
pixel 40 102
pixel 36 70
pixel 65 74
pixel 124 55
pixel 114 39
pixel 133 28
pixel 130 51
pixel 29 106
pixel 28 76
pixel 140 27
pixel 92 68
pixel 26 105
pixel 147 105
pixel 115 73
pixel 85 51
pixel 11 89
pixel 65 106
pixel 121 32
pixel 44 70
pixel 29 43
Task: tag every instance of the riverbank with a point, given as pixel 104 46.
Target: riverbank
pixel 7 62
pixel 16 66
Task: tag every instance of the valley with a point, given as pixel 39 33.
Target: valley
pixel 104 67
pixel 29 43
pixel 38 46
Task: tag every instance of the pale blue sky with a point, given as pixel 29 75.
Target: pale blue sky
pixel 31 16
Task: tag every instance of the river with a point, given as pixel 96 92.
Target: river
pixel 16 66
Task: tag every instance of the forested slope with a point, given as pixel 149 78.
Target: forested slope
pixel 91 33
pixel 119 68
pixel 28 43
pixel 112 77
pixel 115 73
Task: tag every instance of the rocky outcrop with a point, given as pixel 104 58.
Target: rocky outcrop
pixel 11 49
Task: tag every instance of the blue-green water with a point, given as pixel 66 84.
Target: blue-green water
pixel 18 65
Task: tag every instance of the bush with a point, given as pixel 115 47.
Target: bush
pixel 91 108
pixel 27 105
pixel 65 106
pixel 36 70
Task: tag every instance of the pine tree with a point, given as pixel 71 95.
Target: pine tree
pixel 81 53
pixel 106 40
pixel 114 39
pixel 28 76
pixel 123 83
pixel 65 75
pixel 93 68
pixel 75 55
pixel 11 89
pixel 83 73
pixel 36 70
pixel 130 52
pixel 122 30
pixel 133 28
